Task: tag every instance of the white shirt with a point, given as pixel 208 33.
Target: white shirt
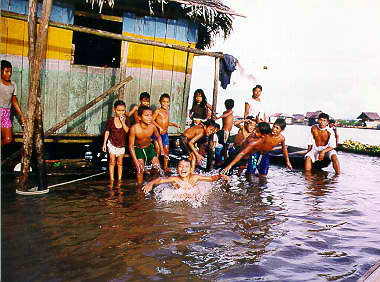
pixel 255 108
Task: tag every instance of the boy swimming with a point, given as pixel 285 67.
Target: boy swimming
pixel 186 178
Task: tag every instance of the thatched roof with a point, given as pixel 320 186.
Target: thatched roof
pixel 212 16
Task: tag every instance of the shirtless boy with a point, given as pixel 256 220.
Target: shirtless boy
pixel 140 142
pixel 193 134
pixel 161 119
pixel 185 178
pixel 320 143
pixel 144 101
pixel 228 119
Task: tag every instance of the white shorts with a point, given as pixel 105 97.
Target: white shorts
pixel 314 153
pixel 115 150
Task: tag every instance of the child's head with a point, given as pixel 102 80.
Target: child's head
pixel 250 124
pixel 145 99
pixel 229 103
pixel 119 108
pixel 323 120
pixel 256 91
pixel 165 101
pixel 212 127
pixel 278 126
pixel 184 168
pixel 145 114
pixel 6 70
pixel 263 128
pixel 199 97
pixel 332 123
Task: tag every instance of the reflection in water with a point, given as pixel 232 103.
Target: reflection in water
pixel 287 227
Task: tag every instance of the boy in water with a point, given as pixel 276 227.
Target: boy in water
pixel 332 125
pixel 185 179
pixel 140 142
pixel 320 143
pixel 193 134
pixel 114 139
pixel 224 134
pixel 161 119
pixel 270 139
pixel 144 101
pixel 8 99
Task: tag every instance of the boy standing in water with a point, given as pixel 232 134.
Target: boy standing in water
pixel 224 134
pixel 8 99
pixel 185 179
pixel 114 139
pixel 193 134
pixel 320 143
pixel 140 142
pixel 161 119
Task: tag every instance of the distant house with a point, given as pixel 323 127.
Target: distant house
pixel 298 118
pixel 312 117
pixel 371 119
pixel 288 119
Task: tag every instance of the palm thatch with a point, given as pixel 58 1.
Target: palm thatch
pixel 212 16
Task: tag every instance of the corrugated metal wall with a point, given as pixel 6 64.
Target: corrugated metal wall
pixel 66 87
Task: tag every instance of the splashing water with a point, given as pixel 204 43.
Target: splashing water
pixel 195 196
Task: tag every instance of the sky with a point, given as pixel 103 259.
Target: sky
pixel 320 55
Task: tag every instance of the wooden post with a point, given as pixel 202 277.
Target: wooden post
pixel 210 154
pixel 76 114
pixel 123 69
pixel 35 64
pixel 39 144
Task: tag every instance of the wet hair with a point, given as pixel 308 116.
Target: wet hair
pixel 184 160
pixel 332 121
pixel 141 109
pixel 264 128
pixel 204 99
pixel 257 86
pixel 164 95
pixel 229 103
pixel 281 123
pixel 118 103
pixel 251 118
pixel 323 115
pixel 212 123
pixel 5 64
pixel 144 95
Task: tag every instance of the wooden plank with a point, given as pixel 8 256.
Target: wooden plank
pixel 94 89
pixel 158 58
pixel 111 77
pixel 123 68
pixel 51 93
pixel 136 59
pixel 15 43
pixel 168 57
pixel 77 97
pixel 64 80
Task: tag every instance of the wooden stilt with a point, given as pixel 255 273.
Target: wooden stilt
pixel 123 69
pixel 39 144
pixel 34 83
pixel 210 154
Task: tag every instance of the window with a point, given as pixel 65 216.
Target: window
pixel 93 50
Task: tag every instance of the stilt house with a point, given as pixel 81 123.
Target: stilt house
pixel 79 66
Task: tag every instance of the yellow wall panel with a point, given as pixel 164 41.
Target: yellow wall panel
pixel 66 41
pixel 4 35
pixel 15 40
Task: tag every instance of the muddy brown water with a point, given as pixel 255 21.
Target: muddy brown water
pixel 289 227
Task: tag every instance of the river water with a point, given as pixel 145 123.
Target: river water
pixel 289 227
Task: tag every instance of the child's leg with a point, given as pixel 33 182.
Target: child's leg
pixel 119 162
pixel 140 172
pixel 166 161
pixel 156 147
pixel 111 167
pixel 336 164
pixel 308 164
pixel 192 160
pixel 6 136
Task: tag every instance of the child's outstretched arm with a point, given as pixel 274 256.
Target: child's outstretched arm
pixel 16 105
pixel 212 178
pixel 228 113
pixel 131 112
pixel 286 155
pixel 149 186
pixel 174 124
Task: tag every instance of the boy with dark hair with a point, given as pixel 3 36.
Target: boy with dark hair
pixel 114 139
pixel 8 99
pixel 193 134
pixel 161 119
pixel 320 143
pixel 254 106
pixel 224 134
pixel 185 178
pixel 140 142
pixel 144 101
pixel 332 125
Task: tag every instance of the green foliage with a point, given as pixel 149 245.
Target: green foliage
pixel 355 146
